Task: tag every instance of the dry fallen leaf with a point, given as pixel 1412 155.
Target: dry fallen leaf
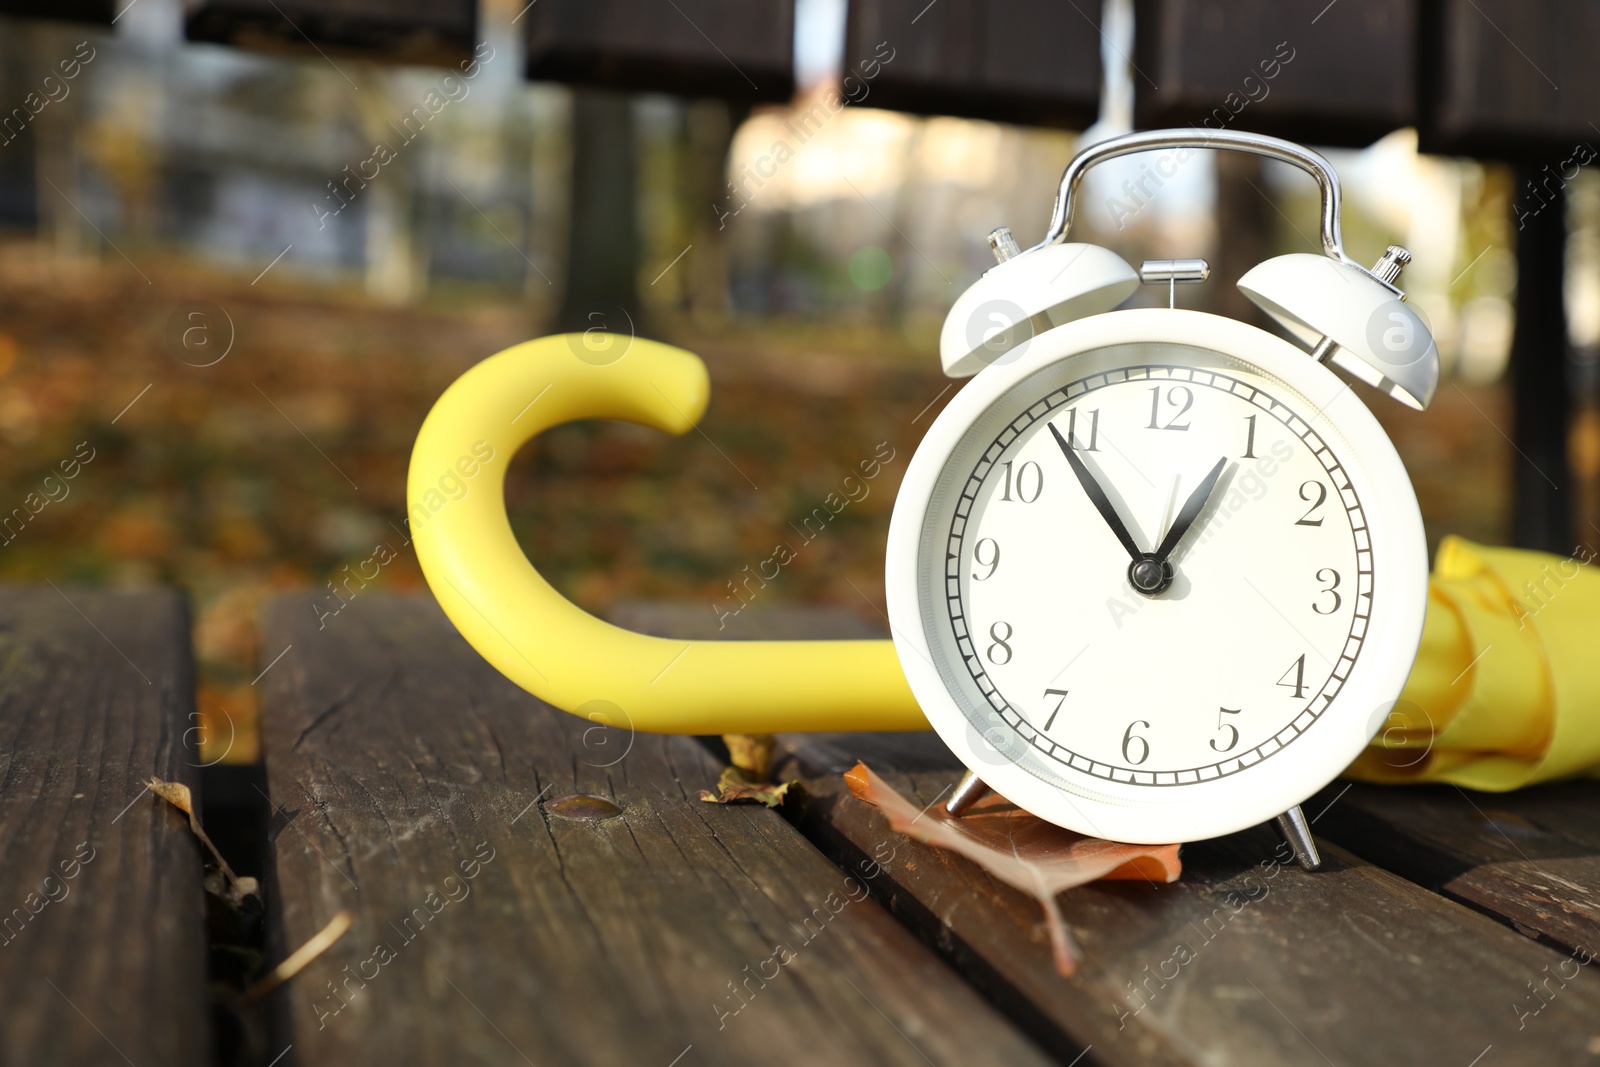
pixel 752 754
pixel 234 888
pixel 297 960
pixel 733 788
pixel 1020 849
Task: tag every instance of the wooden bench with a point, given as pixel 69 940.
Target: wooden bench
pixel 528 887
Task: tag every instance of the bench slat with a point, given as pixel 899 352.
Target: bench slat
pixel 102 938
pixel 394 754
pixel 1531 858
pixel 1281 966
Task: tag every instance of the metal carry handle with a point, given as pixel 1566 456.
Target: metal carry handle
pixel 1253 143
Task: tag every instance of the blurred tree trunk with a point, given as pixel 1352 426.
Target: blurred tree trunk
pixel 1244 222
pixel 393 250
pixel 602 278
pixel 710 126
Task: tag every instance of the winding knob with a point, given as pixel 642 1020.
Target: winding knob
pixel 1390 264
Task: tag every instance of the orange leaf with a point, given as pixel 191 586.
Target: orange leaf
pixel 1020 849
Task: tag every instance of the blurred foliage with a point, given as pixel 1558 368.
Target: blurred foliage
pixel 284 463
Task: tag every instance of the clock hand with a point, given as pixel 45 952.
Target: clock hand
pixel 1191 511
pixel 1097 495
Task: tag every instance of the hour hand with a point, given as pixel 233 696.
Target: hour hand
pixel 1191 511
pixel 1096 494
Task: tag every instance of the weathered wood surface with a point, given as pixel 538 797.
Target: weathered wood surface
pixel 1340 74
pixel 102 936
pixel 395 754
pixel 96 12
pixel 1531 858
pixel 1246 960
pixel 1509 79
pixel 735 49
pixel 1018 61
pixel 402 31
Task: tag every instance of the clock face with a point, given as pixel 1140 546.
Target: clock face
pixel 1148 572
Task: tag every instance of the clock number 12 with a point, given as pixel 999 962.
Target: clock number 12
pixel 1172 401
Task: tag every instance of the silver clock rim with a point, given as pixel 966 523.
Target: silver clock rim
pixel 1190 811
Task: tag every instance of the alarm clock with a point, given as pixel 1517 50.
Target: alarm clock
pixel 1154 574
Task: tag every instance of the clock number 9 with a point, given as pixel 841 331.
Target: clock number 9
pixel 993 562
pixel 1228 726
pixel 1000 648
pixel 1021 483
pixel 1129 739
pixel 1337 599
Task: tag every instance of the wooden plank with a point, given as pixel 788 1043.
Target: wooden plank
pixel 395 755
pixel 1530 858
pixel 1023 61
pixel 94 12
pixel 1542 396
pixel 441 32
pixel 1504 79
pixel 102 939
pixel 735 49
pixel 1342 74
pixel 1246 960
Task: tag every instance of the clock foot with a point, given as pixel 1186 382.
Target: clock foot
pixel 1294 829
pixel 968 792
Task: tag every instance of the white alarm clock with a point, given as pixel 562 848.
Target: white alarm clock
pixel 1157 575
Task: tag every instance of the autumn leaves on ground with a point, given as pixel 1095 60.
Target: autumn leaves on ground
pixel 262 446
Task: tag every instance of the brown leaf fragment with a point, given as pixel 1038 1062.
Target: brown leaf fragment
pixel 233 888
pixel 734 788
pixel 752 754
pixel 298 960
pixel 1020 849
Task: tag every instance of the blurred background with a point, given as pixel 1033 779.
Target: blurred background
pixel 224 311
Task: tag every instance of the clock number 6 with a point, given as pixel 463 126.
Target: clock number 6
pixel 1337 599
pixel 1000 644
pixel 1233 730
pixel 1128 740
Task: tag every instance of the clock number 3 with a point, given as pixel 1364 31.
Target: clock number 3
pixel 1000 651
pixel 1233 731
pixel 1328 574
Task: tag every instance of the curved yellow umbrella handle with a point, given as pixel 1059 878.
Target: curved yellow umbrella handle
pixel 558 652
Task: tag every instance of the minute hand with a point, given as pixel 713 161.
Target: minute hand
pixel 1191 511
pixel 1096 494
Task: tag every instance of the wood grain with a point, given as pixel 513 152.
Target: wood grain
pixel 402 31
pixel 395 754
pixel 1530 858
pixel 102 939
pixel 1246 960
pixel 1349 78
pixel 735 49
pixel 1016 61
pixel 1505 79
